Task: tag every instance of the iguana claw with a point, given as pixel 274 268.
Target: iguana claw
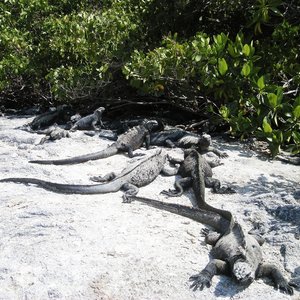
pixel 201 280
pixel 204 232
pixel 170 193
pixel 285 287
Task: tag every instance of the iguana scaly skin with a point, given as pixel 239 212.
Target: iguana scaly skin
pixel 127 142
pixel 189 170
pixel 130 179
pixel 90 121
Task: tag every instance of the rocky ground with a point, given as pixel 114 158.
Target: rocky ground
pixel 57 246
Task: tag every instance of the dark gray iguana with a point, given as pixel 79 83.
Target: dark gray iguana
pixel 188 170
pixel 127 142
pixel 60 114
pixel 130 179
pixel 177 137
pixel 234 251
pixel 90 121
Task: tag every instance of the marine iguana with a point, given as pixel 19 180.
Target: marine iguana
pixel 189 170
pixel 177 137
pixel 235 252
pixel 127 142
pixel 89 121
pixel 58 115
pixel 130 179
pixel 54 133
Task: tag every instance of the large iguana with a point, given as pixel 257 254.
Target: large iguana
pixel 177 137
pixel 235 252
pixel 189 170
pixel 127 142
pixel 58 115
pixel 89 121
pixel 130 179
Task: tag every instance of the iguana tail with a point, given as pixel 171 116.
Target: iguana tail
pixel 61 188
pixel 202 216
pixel 109 151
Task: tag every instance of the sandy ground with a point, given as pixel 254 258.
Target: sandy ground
pixel 57 246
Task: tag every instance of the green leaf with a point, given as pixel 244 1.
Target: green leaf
pixel 296 112
pixel 296 137
pixel 197 58
pixel 266 125
pixel 222 65
pixel 246 70
pixel 224 111
pixel 279 94
pixel 272 99
pixel 261 82
pixel 246 50
pixel 232 51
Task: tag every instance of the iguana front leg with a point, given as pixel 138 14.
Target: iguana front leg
pixel 129 150
pixel 180 184
pixel 94 125
pixel 147 141
pixel 203 279
pixel 218 152
pixel 269 270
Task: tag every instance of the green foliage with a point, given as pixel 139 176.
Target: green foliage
pixel 230 72
pixel 243 56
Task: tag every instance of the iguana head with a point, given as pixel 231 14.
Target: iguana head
pixel 150 124
pixel 243 272
pixel 204 141
pixel 100 110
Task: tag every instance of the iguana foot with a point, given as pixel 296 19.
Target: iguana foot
pixel 223 155
pixel 98 179
pixel 285 287
pixel 204 232
pixel 126 199
pixel 201 280
pixel 224 190
pixel 170 193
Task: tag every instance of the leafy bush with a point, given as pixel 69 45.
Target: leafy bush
pixel 241 56
pixel 229 72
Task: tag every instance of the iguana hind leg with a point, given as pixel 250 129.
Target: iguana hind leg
pixel 105 178
pixel 211 237
pixel 203 279
pixel 130 190
pixel 180 184
pixel 215 184
pixel 269 270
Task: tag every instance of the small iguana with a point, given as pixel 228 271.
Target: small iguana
pixel 90 121
pixel 130 179
pixel 58 115
pixel 127 142
pixel 235 252
pixel 54 133
pixel 188 170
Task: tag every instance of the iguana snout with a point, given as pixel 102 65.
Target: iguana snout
pixel 243 272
